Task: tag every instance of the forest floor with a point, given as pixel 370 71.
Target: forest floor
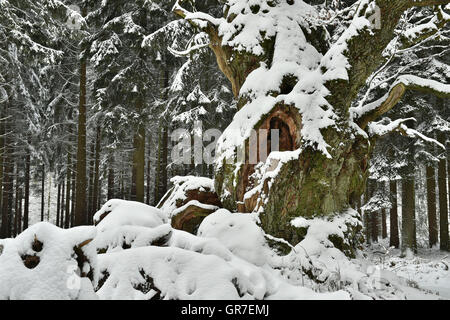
pixel 428 269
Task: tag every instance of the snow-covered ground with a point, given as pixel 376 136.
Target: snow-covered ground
pixel 134 253
pixel 428 269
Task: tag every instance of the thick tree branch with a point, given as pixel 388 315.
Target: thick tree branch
pixel 374 110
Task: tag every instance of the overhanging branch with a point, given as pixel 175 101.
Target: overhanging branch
pixel 374 110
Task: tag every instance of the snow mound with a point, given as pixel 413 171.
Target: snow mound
pixel 174 273
pixel 42 263
pixel 115 213
pixel 125 237
pixel 239 233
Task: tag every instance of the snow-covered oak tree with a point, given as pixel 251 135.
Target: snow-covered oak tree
pixel 301 69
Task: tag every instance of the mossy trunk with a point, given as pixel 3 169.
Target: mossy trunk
pixel 311 184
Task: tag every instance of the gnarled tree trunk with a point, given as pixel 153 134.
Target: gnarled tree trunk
pixel 309 181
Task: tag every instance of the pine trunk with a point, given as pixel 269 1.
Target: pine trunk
pixel 431 206
pixel 42 192
pixel 26 208
pixel 80 197
pixel 138 171
pixel 95 196
pixel 7 183
pixel 73 194
pixel 383 224
pixel 408 215
pixel 394 240
pixel 63 194
pixel 16 205
pixel 158 166
pixel 20 212
pixel 443 207
pixel 165 148
pixel 69 179
pixel 149 170
pixel 91 179
pixel 111 177
pixel 58 204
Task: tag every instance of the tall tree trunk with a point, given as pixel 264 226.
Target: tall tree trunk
pixel 367 213
pixel 49 197
pixel 158 165
pixel 383 224
pixel 111 176
pixel 91 178
pixel 408 215
pixel 97 171
pixel 16 204
pixel 26 208
pixel 63 205
pixel 149 170
pixel 165 149
pixel 68 186
pixel 138 171
pixel 394 240
pixel 20 215
pixel 42 192
pixel 58 204
pixel 73 195
pixel 443 207
pixel 2 162
pixel 80 197
pixel 431 206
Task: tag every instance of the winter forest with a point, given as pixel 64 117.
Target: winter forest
pixel 224 149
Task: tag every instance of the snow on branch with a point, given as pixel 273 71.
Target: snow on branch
pixel 426 30
pixel 386 126
pixel 372 111
pixel 188 51
pixel 199 19
pixel 416 134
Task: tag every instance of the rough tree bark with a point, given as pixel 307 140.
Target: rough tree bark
pixel 408 215
pixel 394 240
pixel 42 192
pixel 91 178
pixel 68 181
pixel 149 170
pixel 138 171
pixel 443 206
pixel 26 207
pixel 80 185
pixel 111 176
pixel 431 205
pixel 95 196
pixel 80 212
pixel 58 204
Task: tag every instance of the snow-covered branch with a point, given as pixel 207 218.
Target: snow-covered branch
pixel 424 31
pixel 198 19
pixel 374 110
